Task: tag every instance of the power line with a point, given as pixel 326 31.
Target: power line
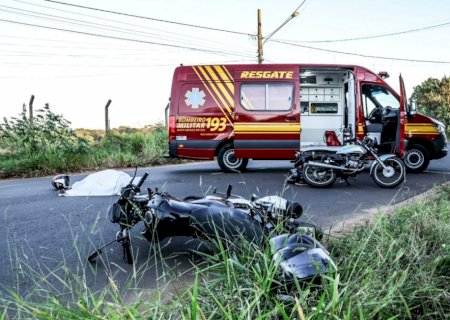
pixel 152 19
pixel 440 25
pixel 121 56
pixel 360 54
pixel 90 24
pixel 143 51
pixel 83 23
pixel 77 22
pixel 293 15
pixel 15 63
pixel 183 36
pixel 218 52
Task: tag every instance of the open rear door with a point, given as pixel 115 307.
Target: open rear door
pixel 400 136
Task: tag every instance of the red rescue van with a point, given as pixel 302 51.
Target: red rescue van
pixel 269 111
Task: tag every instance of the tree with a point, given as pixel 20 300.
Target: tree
pixel 433 99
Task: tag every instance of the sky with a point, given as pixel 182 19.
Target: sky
pixel 77 73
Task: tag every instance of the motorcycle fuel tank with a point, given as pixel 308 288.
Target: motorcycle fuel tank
pixel 351 149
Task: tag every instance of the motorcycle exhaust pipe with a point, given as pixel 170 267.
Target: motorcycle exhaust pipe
pixel 325 165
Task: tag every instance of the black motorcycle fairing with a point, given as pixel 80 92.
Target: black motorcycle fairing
pixel 227 223
pixel 210 220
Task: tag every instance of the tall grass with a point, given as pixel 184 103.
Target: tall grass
pixel 113 151
pixel 46 145
pixel 398 267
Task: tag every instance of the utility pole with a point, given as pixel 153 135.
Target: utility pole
pixel 107 116
pixel 260 37
pixel 30 109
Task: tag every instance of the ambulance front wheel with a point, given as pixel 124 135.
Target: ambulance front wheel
pixel 416 158
pixel 227 161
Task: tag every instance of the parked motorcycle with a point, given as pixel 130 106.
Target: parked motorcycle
pixel 224 216
pixel 320 166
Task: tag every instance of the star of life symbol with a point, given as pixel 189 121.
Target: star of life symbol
pixel 195 98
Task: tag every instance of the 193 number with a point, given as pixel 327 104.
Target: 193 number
pixel 216 124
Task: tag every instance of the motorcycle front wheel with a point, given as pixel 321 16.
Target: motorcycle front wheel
pixel 318 177
pixel 392 176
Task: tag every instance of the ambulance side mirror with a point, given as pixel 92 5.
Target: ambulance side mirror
pixel 412 108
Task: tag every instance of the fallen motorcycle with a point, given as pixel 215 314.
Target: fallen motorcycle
pixel 222 216
pixel 320 166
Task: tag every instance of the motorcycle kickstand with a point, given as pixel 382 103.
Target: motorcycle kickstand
pixel 123 238
pixel 127 251
pixel 98 251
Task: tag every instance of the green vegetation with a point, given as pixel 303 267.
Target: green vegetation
pixel 398 267
pixel 47 145
pixel 433 99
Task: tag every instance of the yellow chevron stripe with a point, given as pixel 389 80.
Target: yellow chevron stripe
pixel 214 98
pixel 228 73
pixel 212 85
pixel 226 79
pixel 220 86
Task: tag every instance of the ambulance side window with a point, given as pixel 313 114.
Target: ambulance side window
pixel 253 96
pixel 267 96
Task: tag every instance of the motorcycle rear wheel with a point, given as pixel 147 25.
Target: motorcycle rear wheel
pixel 393 176
pixel 318 177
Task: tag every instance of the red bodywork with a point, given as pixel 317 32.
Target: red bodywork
pixel 207 110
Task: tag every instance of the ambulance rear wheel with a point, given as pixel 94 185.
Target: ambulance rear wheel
pixel 227 161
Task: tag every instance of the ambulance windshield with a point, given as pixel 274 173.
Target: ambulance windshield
pixel 384 97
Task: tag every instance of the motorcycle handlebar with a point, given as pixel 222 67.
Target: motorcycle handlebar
pixel 141 181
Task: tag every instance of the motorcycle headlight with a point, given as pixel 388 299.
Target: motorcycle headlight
pixel 115 212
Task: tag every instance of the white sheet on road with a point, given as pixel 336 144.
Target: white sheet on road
pixel 102 183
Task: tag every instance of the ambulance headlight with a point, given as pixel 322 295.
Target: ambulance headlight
pixel 440 128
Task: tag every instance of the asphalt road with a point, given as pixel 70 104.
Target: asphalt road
pixel 45 236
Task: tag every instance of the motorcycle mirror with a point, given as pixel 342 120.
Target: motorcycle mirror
pixel 134 175
pixel 228 192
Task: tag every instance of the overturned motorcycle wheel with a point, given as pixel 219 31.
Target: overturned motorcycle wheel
pixel 318 177
pixel 392 175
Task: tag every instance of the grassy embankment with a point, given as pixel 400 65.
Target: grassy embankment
pixel 398 267
pixel 47 145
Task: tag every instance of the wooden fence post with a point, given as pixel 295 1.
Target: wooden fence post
pixel 107 128
pixel 30 108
